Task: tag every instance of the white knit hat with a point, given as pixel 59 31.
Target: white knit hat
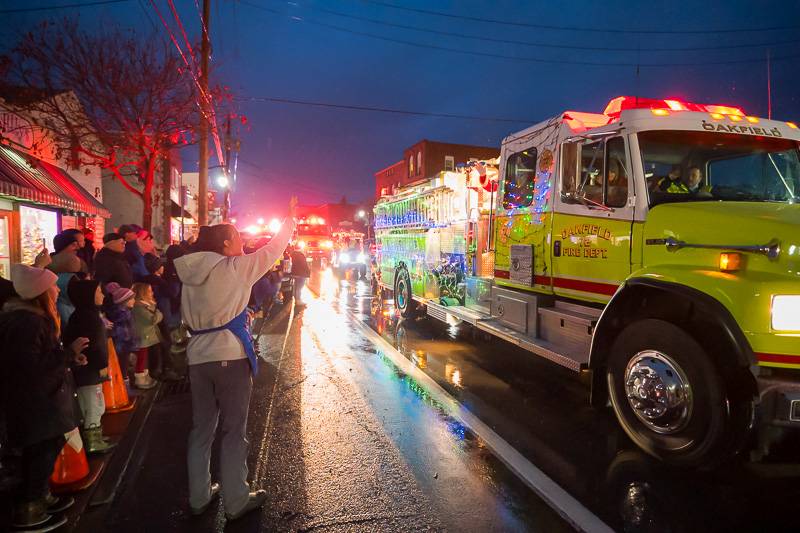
pixel 30 282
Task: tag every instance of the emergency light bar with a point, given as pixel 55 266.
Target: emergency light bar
pixel 622 103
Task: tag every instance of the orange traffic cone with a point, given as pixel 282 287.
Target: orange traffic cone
pixel 71 464
pixel 114 390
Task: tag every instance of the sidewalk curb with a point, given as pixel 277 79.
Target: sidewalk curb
pixel 102 495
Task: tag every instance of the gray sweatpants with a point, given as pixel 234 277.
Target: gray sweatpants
pixel 223 389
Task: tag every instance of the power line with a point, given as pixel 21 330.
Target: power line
pixel 378 109
pixel 553 61
pixel 463 35
pixel 60 6
pixel 576 28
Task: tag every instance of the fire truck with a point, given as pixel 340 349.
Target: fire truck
pixel 313 238
pixel 653 247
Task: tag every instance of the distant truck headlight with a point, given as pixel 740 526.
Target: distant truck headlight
pixel 361 258
pixel 344 259
pixel 786 312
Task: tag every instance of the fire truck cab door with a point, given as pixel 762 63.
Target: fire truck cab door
pixel 592 221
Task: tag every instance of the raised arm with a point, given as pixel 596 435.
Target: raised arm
pixel 254 266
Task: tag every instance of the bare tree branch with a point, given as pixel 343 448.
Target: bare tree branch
pixel 110 97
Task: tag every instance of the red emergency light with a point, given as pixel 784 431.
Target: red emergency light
pixel 621 103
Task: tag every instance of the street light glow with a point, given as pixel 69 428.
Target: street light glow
pixel 260 221
pixel 361 213
pixel 274 225
pixel 223 182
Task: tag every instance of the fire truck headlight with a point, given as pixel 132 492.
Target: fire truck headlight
pixel 327 244
pixel 301 244
pixel 344 258
pixel 361 258
pixel 786 312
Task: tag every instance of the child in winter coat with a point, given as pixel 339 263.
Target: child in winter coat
pixel 146 318
pixel 85 321
pixel 163 295
pixel 117 308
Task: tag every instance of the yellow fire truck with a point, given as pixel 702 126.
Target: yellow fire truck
pixel 654 247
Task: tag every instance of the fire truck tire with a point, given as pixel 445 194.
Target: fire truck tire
pixel 670 397
pixel 403 300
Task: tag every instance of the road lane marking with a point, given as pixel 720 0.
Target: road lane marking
pixel 263 452
pixel 569 508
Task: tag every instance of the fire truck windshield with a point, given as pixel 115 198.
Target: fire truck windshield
pixel 312 229
pixel 684 166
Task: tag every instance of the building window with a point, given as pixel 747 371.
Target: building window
pixel 419 162
pixel 449 163
pixel 411 166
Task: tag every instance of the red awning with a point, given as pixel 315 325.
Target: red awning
pixel 25 177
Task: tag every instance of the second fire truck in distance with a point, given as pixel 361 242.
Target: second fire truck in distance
pixel 654 246
pixel 313 238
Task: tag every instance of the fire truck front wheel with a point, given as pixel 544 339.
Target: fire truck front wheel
pixel 403 299
pixel 669 396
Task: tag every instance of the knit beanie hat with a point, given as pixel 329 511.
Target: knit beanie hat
pixel 30 282
pixel 118 294
pixel 108 237
pixel 62 240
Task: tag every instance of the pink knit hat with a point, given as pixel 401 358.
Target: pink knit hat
pixel 118 294
pixel 30 282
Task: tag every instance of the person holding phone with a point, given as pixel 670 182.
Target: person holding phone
pixel 36 392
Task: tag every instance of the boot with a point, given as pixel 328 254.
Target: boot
pixel 142 380
pixel 30 514
pixel 94 441
pixel 57 504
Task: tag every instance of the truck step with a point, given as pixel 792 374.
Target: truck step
pixel 441 312
pixel 575 360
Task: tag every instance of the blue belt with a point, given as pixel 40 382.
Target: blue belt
pixel 237 326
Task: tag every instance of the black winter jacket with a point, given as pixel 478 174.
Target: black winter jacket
pixel 300 265
pixel 85 321
pixel 36 387
pixel 112 266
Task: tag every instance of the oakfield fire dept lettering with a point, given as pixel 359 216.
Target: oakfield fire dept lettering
pixel 584 239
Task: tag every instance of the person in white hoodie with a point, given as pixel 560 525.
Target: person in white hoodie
pixel 217 280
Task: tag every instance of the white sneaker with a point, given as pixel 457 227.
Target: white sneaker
pixel 255 501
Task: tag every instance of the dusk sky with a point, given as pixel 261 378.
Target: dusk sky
pixel 303 51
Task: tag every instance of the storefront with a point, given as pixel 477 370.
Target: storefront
pixel 37 200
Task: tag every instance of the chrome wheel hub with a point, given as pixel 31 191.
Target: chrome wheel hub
pixel 658 391
pixel 401 294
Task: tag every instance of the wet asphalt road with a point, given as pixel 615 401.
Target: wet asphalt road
pixel 344 441
pixel 542 410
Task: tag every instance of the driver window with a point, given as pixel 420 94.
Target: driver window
pixel 616 173
pixel 569 167
pixel 592 171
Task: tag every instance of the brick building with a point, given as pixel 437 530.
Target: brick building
pixel 425 159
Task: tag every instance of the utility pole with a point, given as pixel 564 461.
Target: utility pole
pixel 769 87
pixel 205 50
pixel 226 195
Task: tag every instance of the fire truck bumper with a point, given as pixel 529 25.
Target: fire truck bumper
pixel 780 400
